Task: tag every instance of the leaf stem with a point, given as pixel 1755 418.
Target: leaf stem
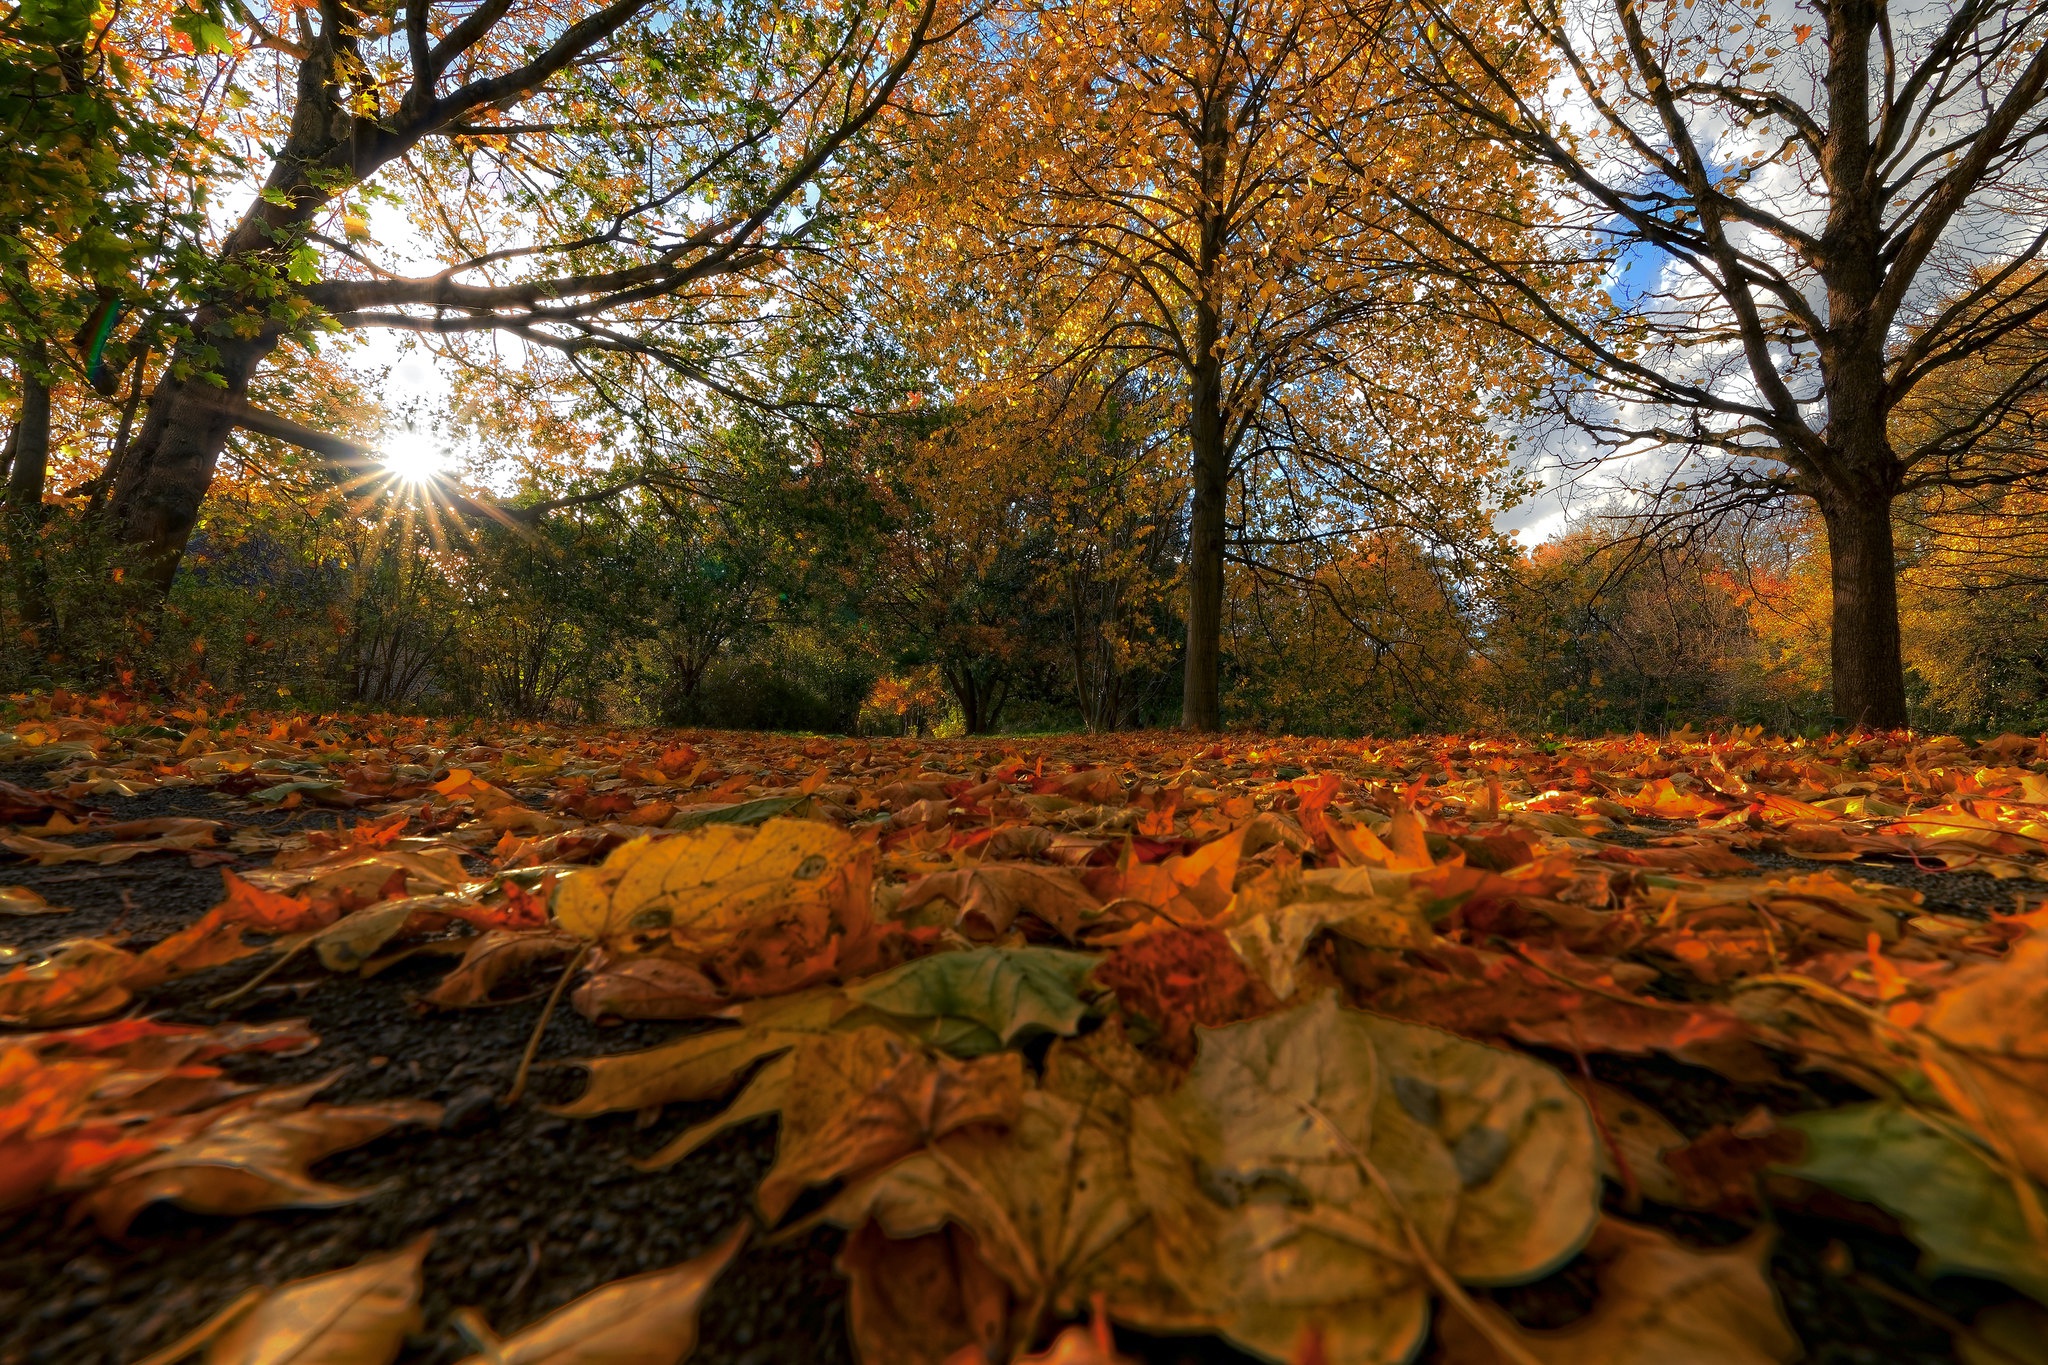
pixel 541 1026
pixel 1454 1293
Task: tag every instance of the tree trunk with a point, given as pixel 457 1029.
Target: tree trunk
pixel 1869 681
pixel 30 444
pixel 162 482
pixel 1201 705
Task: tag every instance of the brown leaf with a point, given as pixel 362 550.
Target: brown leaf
pixel 991 896
pixel 492 957
pixel 862 1099
pixel 649 988
pixel 357 1316
pixel 648 1319
pixel 79 980
pixel 254 1158
pixel 1660 1304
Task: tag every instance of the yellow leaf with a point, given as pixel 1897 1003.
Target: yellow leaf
pixel 703 886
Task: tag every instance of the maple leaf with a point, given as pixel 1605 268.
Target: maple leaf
pixel 991 896
pixel 1268 1217
pixel 860 1100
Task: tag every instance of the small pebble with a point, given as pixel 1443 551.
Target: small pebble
pixel 473 1108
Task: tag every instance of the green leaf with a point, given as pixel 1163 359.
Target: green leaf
pixel 1960 1208
pixel 744 813
pixel 1008 991
pixel 304 266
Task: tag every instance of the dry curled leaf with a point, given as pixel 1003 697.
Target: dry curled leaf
pixel 648 1319
pixel 357 1316
pixel 252 1158
pixel 1660 1304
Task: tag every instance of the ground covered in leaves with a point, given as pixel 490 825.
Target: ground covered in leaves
pixel 387 1038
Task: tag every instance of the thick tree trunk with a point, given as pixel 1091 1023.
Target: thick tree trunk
pixel 30 445
pixel 162 481
pixel 26 476
pixel 1201 706
pixel 1869 681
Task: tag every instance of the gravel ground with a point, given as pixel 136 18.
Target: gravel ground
pixel 530 1210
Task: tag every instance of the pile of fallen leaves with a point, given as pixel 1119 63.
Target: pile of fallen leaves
pixel 1284 1042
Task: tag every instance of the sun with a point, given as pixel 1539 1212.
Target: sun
pixel 414 463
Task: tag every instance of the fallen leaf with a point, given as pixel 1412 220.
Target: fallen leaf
pixel 648 988
pixel 79 980
pixel 759 912
pixel 1170 982
pixel 2012 1333
pixel 357 1316
pixel 253 1158
pixel 1660 1304
pixel 991 897
pixel 22 805
pixel 490 959
pixel 862 1099
pixel 1634 1134
pixel 1010 992
pixel 1266 1218
pixel 648 1319
pixel 48 853
pixel 1948 1194
pixel 22 900
pixel 1045 1202
pixel 705 1066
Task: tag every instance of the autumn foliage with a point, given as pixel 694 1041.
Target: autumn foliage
pixel 1102 1027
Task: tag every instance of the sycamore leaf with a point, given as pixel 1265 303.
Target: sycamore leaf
pixel 1660 1304
pixel 1951 1198
pixel 860 1100
pixel 1632 1132
pixel 648 1319
pixel 1993 1066
pixel 1266 1216
pixel 254 1158
pixel 741 813
pixel 704 1066
pixel 767 1092
pixel 1009 991
pixel 1045 1202
pixel 992 896
pixel 703 888
pixel 357 1316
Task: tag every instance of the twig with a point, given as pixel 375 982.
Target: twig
pixel 223 1001
pixel 541 1026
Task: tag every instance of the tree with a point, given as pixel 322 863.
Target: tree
pixel 90 206
pixel 589 177
pixel 1809 219
pixel 1139 182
